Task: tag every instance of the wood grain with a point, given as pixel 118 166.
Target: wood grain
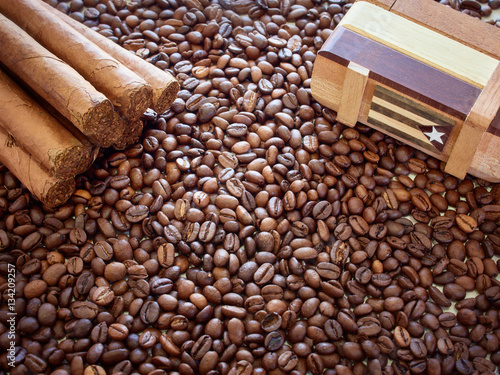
pixel 447 21
pixel 412 109
pixel 420 43
pixel 352 94
pixel 385 4
pixel 327 81
pixel 404 74
pixel 404 117
pixel 326 87
pixel 485 109
pixel 485 163
pixel 494 127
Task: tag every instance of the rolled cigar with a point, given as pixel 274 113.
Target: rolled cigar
pixel 49 190
pixel 132 132
pixel 58 83
pixel 165 86
pixel 130 94
pixel 40 134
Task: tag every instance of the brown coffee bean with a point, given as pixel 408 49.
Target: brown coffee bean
pixel 466 223
pixel 118 331
pixel 328 271
pixel 166 255
pixel 136 214
pixel 84 309
pixel 402 337
pixel 287 361
pixel 305 253
pixel 103 296
pixel 264 274
pixel 271 322
pixel 103 250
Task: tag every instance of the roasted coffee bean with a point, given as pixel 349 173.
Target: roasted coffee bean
pixel 84 309
pixel 328 271
pixel 287 361
pixel 264 274
pixel 402 337
pixel 246 230
pixel 166 255
pixel 103 296
pixel 103 250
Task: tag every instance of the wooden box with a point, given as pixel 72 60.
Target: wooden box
pixel 422 73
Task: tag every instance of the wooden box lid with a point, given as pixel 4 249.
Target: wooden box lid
pixel 407 48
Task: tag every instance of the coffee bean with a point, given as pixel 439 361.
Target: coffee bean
pixel 103 250
pixel 264 274
pixel 84 309
pixel 35 363
pixel 401 337
pixel 328 271
pixel 287 361
pixel 103 296
pixel 136 214
pixel 53 273
pixel 166 255
pixel 305 253
pixel 246 230
pixel 466 223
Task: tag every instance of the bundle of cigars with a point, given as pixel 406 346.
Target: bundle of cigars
pixel 66 91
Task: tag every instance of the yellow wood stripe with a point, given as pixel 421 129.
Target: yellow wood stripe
pixel 352 94
pixel 484 111
pixel 403 112
pixel 420 43
pixel 416 133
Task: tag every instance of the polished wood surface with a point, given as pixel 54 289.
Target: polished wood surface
pixel 399 115
pixel 485 109
pixel 402 72
pixel 447 21
pixel 352 93
pixel 385 4
pixel 414 102
pixel 420 43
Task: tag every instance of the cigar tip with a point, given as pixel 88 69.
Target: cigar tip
pixel 140 101
pixel 73 161
pixel 97 126
pixel 167 97
pixel 59 193
pixel 130 136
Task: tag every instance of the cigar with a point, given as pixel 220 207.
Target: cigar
pixel 46 139
pixel 49 190
pixel 129 93
pixel 131 134
pixel 57 83
pixel 165 86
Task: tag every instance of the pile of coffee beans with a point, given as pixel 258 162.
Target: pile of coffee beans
pixel 248 232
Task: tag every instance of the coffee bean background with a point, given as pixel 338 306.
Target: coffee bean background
pixel 248 232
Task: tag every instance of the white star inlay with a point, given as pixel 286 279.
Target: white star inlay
pixel 435 135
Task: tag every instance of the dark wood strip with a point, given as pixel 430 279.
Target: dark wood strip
pixel 494 127
pixel 390 130
pixel 411 106
pixel 396 70
pixel 395 116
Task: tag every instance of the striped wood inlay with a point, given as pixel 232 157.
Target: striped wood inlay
pixel 420 43
pixel 403 117
pixel 402 73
